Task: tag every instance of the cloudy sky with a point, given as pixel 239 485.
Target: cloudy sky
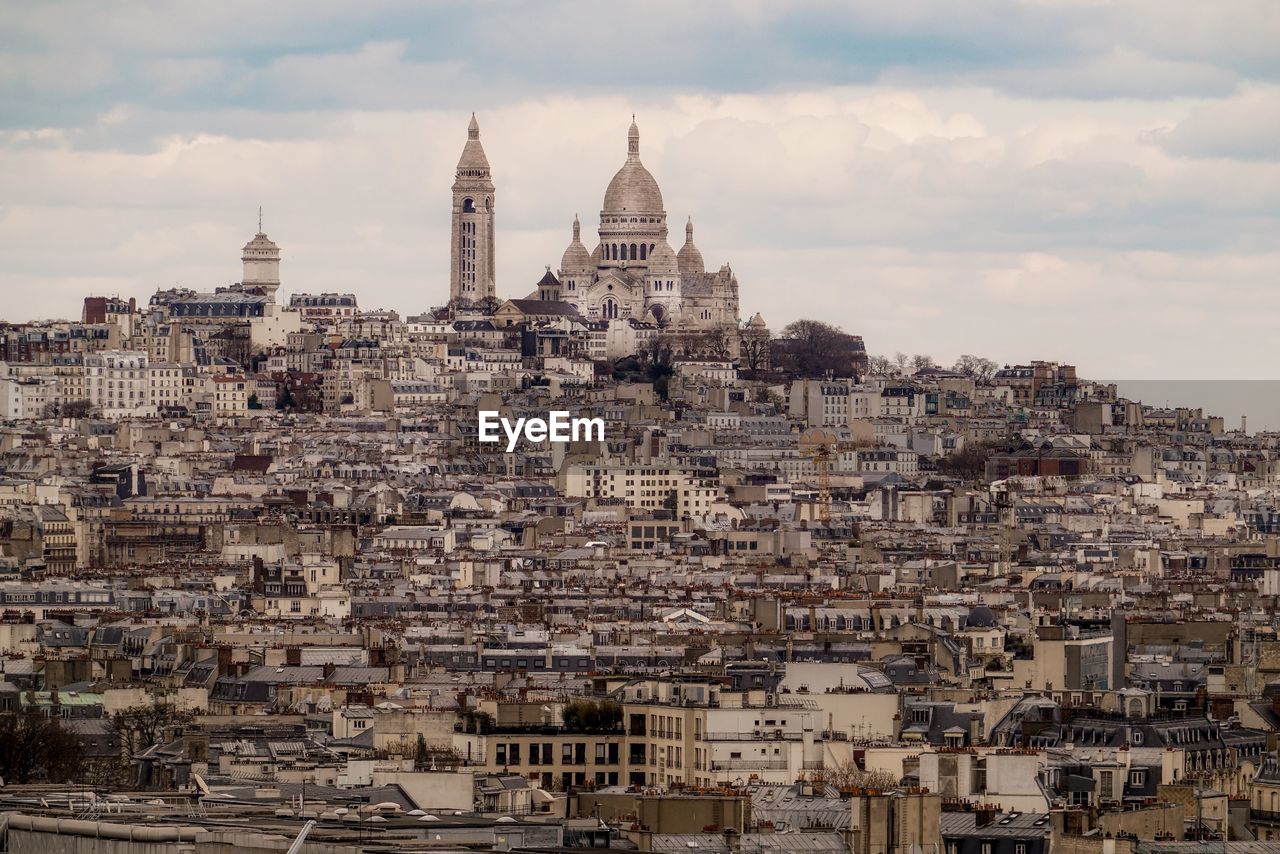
pixel 1095 182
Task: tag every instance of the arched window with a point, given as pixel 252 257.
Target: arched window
pixel 609 309
pixel 613 252
pixel 634 256
pixel 468 205
pixel 644 251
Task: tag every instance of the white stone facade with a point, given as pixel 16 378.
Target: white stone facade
pixel 633 271
pixel 471 238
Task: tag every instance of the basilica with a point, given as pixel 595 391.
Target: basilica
pixel 632 273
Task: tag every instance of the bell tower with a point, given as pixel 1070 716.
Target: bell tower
pixel 471 275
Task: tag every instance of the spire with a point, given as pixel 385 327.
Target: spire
pixel 688 231
pixel 577 228
pixel 633 140
pixel 259 219
pixel 473 161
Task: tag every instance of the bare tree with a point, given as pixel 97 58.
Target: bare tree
pixel 764 394
pixel 811 348
pixel 657 353
pixel 71 409
pixel 970 462
pixel 976 367
pixel 142 727
pixel 879 365
pixel 754 349
pixel 847 775
pixel 921 361
pixel 716 344
pixel 34 746
pixel 487 305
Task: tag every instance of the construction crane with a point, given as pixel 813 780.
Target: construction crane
pixel 1004 497
pixel 301 838
pixel 818 444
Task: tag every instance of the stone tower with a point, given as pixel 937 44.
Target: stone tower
pixel 472 256
pixel 261 258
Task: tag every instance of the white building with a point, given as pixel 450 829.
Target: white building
pixel 26 397
pixel 650 487
pixel 117 383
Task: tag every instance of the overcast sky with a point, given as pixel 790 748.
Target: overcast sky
pixel 1092 182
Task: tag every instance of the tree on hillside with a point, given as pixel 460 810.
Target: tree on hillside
pixel 968 463
pixel 811 348
pixel 754 349
pixel 487 305
pixel 879 365
pixel 717 344
pixel 920 361
pixel 975 366
pixel 657 358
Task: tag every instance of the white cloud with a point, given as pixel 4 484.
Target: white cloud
pixel 1244 126
pixel 1074 181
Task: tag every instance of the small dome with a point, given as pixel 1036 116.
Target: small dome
pixel 757 322
pixel 981 617
pixel 633 189
pixel 690 258
pixel 662 260
pixel 576 257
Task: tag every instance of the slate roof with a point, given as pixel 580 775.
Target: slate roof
pixel 545 307
pixel 1010 825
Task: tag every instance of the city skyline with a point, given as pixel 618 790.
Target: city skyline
pixel 890 170
pixel 567 428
